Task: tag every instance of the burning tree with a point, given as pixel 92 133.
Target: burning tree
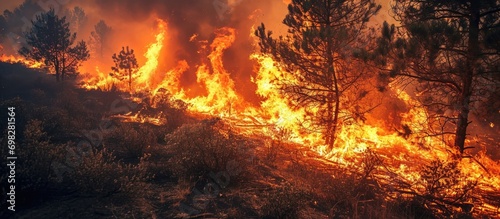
pixel 125 65
pixel 452 50
pixel 50 40
pixel 317 53
pixel 99 37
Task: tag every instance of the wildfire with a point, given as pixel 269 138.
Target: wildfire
pixel 147 76
pixel 221 98
pixel 100 80
pixel 18 59
pixel 402 155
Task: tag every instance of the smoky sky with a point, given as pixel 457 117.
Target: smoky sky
pixel 200 17
pixel 130 20
pixel 186 17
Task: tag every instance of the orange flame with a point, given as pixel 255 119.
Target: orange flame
pixel 405 155
pixel 147 76
pixel 18 59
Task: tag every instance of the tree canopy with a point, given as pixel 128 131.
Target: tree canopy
pixel 451 50
pixel 125 66
pixel 99 37
pixel 51 42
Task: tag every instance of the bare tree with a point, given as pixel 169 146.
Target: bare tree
pixel 318 53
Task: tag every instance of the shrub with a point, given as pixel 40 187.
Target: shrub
pixel 157 162
pixel 99 174
pixel 284 202
pixel 129 142
pixel 36 155
pixel 354 188
pixel 443 187
pixel 203 148
pixel 279 136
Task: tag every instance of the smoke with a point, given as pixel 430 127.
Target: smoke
pixel 10 5
pixel 133 24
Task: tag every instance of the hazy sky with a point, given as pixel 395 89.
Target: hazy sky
pixel 9 4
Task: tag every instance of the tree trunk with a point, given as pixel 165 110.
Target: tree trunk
pixel 337 110
pixel 130 80
pixel 329 136
pixel 467 76
pixel 333 96
pixel 462 123
pixel 58 70
pixel 63 71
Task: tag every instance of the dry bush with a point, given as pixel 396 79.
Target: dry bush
pixel 443 188
pixel 356 194
pixel 285 202
pixel 129 142
pixel 442 191
pixel 99 174
pixel 157 162
pixel 36 156
pixel 173 110
pixel 204 147
pixel 279 136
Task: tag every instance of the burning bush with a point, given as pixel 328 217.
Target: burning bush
pixel 444 188
pixel 279 137
pixel 203 148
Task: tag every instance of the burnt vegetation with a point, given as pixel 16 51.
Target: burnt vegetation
pixel 114 154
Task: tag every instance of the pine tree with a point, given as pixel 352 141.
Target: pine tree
pixel 451 49
pixel 50 40
pixel 125 65
pixel 317 52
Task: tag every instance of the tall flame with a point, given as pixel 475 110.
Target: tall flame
pixel 221 97
pixel 147 72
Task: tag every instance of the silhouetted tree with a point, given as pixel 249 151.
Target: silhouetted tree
pixel 50 41
pixel 77 18
pixel 317 52
pixel 125 65
pixel 16 22
pixel 99 37
pixel 451 48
